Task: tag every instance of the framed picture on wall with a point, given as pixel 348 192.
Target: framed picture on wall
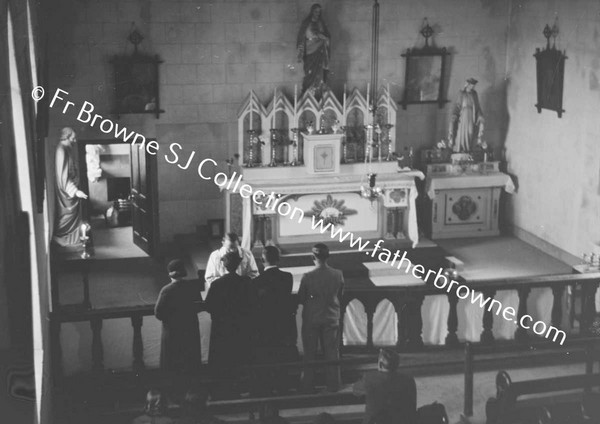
pixel 424 76
pixel 550 71
pixel 136 84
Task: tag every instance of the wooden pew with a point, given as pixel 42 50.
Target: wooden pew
pixel 509 407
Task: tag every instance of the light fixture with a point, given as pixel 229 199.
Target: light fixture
pixel 371 192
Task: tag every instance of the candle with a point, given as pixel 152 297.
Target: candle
pixel 274 109
pixel 368 95
pixel 389 104
pixel 251 112
pixel 344 107
pixel 83 230
pixel 295 105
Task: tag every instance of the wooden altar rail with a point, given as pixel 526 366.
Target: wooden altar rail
pixel 407 302
pixel 537 349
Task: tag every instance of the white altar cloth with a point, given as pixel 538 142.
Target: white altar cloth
pixel 446 182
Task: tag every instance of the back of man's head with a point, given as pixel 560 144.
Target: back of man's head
pixel 388 360
pixel 231 261
pixel 271 255
pixel 320 252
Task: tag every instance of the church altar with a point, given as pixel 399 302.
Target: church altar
pixel 328 161
pixel 464 199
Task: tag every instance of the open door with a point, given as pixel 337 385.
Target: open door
pixel 144 199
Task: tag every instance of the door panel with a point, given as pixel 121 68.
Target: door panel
pixel 144 201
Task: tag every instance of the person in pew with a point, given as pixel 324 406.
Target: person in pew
pixel 320 293
pixel 175 307
pixel 215 267
pixel 391 397
pixel 194 409
pixel 274 322
pixel 155 410
pixel 229 302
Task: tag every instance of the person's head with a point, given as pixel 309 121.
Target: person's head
pixel 194 402
pixel 320 253
pixel 231 242
pixel 315 12
pixel 68 135
pixel 156 403
pixel 270 255
pixel 231 261
pixel 324 418
pixel 470 84
pixel 388 360
pixel 176 269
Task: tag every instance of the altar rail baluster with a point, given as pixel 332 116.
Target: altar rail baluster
pixel 97 348
pixel 138 344
pixel 521 333
pixel 451 337
pixel 487 336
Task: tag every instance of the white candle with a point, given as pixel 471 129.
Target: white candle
pixel 251 112
pixel 295 105
pixel 368 96
pixel 344 107
pixel 274 109
pixel 389 104
pixel 83 230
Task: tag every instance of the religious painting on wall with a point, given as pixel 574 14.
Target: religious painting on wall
pixel 136 84
pixel 424 76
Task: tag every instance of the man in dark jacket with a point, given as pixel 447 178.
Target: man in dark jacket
pixel 274 318
pixel 391 397
pixel 320 293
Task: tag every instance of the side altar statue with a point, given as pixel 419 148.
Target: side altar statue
pixel 329 162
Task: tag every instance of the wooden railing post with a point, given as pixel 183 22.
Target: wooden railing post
pixel 588 306
pixel 451 337
pixel 138 345
pixel 468 405
pixel 521 333
pixel 97 348
pixel 487 337
pixel 414 339
pixel 557 311
pixel 370 311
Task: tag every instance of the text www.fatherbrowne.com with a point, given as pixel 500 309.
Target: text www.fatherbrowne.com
pixel 441 280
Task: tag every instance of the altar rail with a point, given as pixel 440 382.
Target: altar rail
pixel 407 302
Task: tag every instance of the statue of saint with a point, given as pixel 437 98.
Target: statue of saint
pixel 68 212
pixel 313 49
pixel 467 119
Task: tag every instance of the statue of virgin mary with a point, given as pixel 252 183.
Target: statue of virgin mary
pixel 313 49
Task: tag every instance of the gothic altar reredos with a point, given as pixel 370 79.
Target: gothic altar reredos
pixel 316 155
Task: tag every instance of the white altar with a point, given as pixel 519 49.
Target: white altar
pixel 465 199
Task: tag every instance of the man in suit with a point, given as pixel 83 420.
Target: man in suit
pixel 320 293
pixel 275 318
pixel 391 397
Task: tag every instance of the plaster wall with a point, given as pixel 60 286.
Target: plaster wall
pixel 556 162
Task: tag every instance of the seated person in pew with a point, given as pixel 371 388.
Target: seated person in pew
pixel 274 313
pixel 391 397
pixel 194 410
pixel 155 410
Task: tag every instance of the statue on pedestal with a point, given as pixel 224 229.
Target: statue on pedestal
pixel 68 213
pixel 467 121
pixel 313 49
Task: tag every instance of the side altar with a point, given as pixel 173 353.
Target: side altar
pixel 327 162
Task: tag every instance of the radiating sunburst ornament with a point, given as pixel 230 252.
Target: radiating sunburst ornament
pixel 331 211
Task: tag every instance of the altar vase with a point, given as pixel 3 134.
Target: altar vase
pixel 175 307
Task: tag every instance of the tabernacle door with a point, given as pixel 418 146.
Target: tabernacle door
pixel 144 199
